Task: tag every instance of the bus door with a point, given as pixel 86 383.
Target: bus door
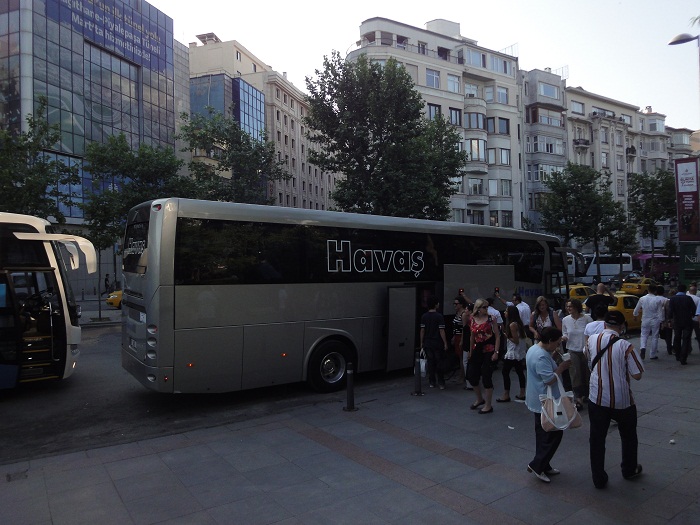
pixel 41 325
pixel 401 341
pixel 478 281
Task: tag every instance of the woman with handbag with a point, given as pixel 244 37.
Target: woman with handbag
pixel 542 371
pixel 542 317
pixel 514 331
pixel 484 339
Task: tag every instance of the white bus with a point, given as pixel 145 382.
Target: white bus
pixel 609 267
pixel 221 296
pixel 39 330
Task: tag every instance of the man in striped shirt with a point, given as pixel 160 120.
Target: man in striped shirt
pixel 610 397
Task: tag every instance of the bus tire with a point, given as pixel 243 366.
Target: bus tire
pixel 328 366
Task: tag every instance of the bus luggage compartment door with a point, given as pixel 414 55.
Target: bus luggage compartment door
pixel 401 340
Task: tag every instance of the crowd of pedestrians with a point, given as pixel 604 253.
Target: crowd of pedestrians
pixel 582 345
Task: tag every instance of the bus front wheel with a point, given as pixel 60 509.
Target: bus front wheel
pixel 328 366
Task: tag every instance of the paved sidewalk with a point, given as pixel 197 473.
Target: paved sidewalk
pixel 398 459
pixel 91 312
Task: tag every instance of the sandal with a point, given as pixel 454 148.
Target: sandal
pixel 477 405
pixel 482 411
pixel 520 398
pixel 499 400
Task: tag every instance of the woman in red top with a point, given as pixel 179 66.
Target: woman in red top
pixel 483 342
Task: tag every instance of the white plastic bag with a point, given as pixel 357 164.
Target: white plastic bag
pixel 559 413
pixel 423 363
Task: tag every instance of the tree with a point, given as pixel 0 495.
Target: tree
pixel 123 178
pixel 652 198
pixel 32 182
pixel 238 166
pixel 565 210
pixel 367 120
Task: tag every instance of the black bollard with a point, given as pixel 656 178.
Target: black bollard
pixel 416 370
pixel 350 387
pixel 83 294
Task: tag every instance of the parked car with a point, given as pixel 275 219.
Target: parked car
pixel 621 278
pixel 637 285
pixel 626 303
pixel 115 299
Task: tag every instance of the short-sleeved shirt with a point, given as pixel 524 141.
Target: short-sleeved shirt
pixel 540 370
pixel 609 384
pixel 432 323
pixel 596 299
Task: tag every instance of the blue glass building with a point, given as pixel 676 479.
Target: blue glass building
pixel 105 67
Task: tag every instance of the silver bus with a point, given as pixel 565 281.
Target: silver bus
pixel 222 296
pixel 39 330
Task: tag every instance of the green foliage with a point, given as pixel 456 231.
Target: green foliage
pixel 367 121
pixel 652 198
pixel 123 178
pixel 29 178
pixel 581 206
pixel 238 167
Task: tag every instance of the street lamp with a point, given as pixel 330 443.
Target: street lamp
pixel 684 38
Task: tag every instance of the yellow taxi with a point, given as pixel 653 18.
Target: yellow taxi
pixel 578 291
pixel 637 285
pixel 115 299
pixel 626 303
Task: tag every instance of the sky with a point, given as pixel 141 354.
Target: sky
pixel 617 49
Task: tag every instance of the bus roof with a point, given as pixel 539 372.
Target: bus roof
pixel 17 218
pixel 279 214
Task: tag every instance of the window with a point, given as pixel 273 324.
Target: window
pixel 433 111
pixel 503 126
pixel 476 187
pixel 471 90
pixel 505 157
pixel 604 159
pixel 432 78
pixel 488 94
pixel 545 144
pixel 507 219
pixel 401 41
pixel 506 188
pixel 455 117
pixel 422 48
pixel 501 65
pixel 285 98
pixel 491 124
pixel 626 119
pixel 641 124
pixel 619 163
pixel 493 188
pixel 493 218
pixel 277 95
pixel 453 83
pixel 502 95
pixel 578 108
pixel 238 55
pixel 604 135
pixel 656 124
pixel 475 120
pixel 620 187
pixel 546 116
pixel 477 217
pixel 457 215
pixel 476 58
pixel 548 90
pixel 255 68
pixel 618 138
pixel 476 149
pixel 491 155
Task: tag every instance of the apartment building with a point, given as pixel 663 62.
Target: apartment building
pixel 477 89
pixel 228 77
pixel 545 135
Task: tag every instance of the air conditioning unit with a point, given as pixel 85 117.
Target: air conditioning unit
pixel 470 95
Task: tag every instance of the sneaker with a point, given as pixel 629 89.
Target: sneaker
pixel 442 387
pixel 432 385
pixel 542 477
pixel 637 472
pixel 643 352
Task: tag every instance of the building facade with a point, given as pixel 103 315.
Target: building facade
pixel 279 109
pixel 477 89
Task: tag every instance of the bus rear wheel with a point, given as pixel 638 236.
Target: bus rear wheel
pixel 328 366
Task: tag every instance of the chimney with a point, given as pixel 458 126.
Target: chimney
pixel 284 74
pixel 548 70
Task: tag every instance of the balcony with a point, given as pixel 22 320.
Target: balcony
pixel 582 143
pixel 478 200
pixel 631 151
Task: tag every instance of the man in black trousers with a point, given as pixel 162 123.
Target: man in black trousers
pixel 681 312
